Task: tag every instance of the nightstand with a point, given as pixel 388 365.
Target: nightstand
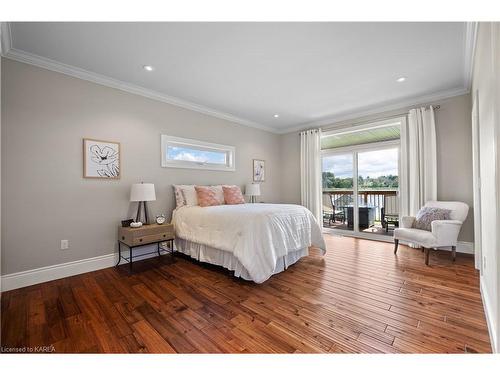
pixel 145 235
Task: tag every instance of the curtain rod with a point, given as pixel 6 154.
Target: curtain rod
pixel 375 119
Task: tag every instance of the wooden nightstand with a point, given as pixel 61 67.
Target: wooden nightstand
pixel 145 235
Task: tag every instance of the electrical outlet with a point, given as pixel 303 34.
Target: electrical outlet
pixel 64 244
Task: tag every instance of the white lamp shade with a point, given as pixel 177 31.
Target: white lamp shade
pixel 142 192
pixel 252 190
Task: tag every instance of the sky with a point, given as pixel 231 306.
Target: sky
pixel 372 163
pixel 182 153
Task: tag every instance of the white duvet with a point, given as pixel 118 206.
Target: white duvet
pixel 257 234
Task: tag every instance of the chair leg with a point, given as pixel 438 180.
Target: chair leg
pixel 426 249
pixel 453 252
pixel 396 243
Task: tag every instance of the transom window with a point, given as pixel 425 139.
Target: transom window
pixel 191 153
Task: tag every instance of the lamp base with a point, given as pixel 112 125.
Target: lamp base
pixel 138 217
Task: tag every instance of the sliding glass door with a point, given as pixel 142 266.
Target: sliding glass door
pixel 360 189
pixel 338 190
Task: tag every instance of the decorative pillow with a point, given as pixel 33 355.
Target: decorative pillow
pixel 189 194
pixel 219 193
pixel 207 196
pixel 233 195
pixel 427 215
pixel 179 197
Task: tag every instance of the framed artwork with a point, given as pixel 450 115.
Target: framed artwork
pixel 259 170
pixel 101 159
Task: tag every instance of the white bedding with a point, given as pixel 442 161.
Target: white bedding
pixel 257 235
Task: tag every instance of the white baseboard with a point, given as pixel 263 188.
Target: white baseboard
pixel 465 247
pixel 58 271
pixel 489 319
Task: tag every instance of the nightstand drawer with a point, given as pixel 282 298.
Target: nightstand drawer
pixel 146 234
pixel 152 238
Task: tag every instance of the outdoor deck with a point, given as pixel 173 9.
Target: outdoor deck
pixel 343 199
pixel 375 229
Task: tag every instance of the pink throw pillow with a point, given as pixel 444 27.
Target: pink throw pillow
pixel 233 195
pixel 207 196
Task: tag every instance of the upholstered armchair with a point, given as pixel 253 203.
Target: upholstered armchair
pixel 444 232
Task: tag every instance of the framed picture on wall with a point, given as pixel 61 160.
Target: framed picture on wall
pixel 259 170
pixel 101 159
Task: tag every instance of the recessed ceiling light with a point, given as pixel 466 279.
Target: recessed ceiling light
pixel 149 68
pixel 401 79
pixel 276 115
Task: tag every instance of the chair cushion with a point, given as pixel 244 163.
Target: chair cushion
pixel 426 215
pixel 413 235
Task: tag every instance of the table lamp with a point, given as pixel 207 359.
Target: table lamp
pixel 252 190
pixel 142 193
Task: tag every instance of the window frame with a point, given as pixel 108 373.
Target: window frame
pixel 170 141
pixel 355 150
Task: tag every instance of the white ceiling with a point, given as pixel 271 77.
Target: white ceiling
pixel 308 73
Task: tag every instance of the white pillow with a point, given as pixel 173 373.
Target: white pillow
pixel 189 194
pixel 191 198
pixel 179 196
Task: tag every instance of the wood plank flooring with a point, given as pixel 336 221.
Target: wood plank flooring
pixel 358 298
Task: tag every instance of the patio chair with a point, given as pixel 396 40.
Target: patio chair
pixel 337 214
pixel 390 212
pixel 327 209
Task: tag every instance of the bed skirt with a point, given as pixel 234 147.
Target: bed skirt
pixel 227 260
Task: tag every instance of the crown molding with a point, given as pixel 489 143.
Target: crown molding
pixel 378 109
pixel 5 38
pixel 42 62
pixel 470 38
pixel 25 57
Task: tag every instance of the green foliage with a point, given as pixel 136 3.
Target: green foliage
pixel 389 181
pixel 382 182
pixel 330 181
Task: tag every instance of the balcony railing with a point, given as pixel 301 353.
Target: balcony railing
pixel 374 198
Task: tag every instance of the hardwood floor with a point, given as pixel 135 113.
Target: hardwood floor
pixel 359 298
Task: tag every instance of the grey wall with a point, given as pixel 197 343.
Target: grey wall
pixel 45 115
pixel 454 154
pixel 486 84
pixel 0 172
pixel 290 167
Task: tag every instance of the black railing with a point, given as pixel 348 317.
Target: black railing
pixel 373 198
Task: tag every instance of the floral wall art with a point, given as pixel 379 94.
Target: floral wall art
pixel 259 170
pixel 101 159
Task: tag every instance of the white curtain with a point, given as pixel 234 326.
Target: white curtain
pixel 418 160
pixel 310 171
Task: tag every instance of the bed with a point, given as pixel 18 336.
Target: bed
pixel 254 240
